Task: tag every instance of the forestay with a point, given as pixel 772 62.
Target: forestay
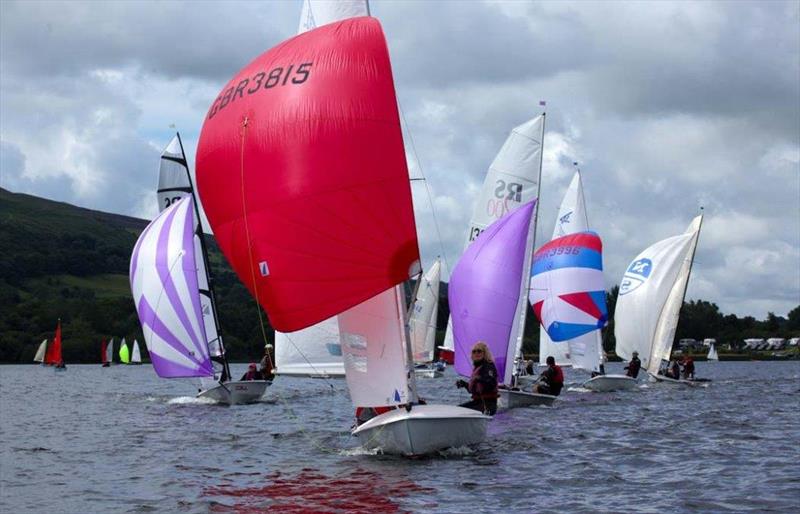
pixel 302 172
pixel 567 289
pixel 650 298
pixel 485 292
pixel 374 347
pixel 163 276
pixel 512 180
pixel 422 322
pixel 582 351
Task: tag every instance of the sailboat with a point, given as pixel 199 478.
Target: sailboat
pixel 106 352
pixel 40 353
pixel 422 324
pixel 124 353
pixel 170 284
pixel 319 136
pixel 53 356
pixel 512 180
pixel 650 298
pixel 712 353
pixel 316 351
pixel 136 353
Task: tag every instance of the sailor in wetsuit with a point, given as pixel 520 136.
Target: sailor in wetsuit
pixel 483 382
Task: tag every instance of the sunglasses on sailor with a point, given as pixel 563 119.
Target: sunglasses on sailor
pixel 477 350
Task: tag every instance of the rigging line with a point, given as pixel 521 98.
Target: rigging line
pixel 243 134
pixel 321 375
pixel 427 187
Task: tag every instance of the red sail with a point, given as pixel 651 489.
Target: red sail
pixel 301 170
pixel 53 353
pixel 103 347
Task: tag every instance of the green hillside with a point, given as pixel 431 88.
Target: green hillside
pixel 62 261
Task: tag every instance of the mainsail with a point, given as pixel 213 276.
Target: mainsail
pixel 136 354
pixel 124 353
pixel 712 353
pixel 110 351
pixel 650 297
pixel 316 350
pixel 422 322
pixel 175 183
pixel 301 168
pixel 485 291
pixel 163 276
pixel 53 354
pixel 40 352
pixel 512 180
pixel 567 290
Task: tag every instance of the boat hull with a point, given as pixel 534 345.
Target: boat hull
pixel 672 381
pixel 510 399
pixel 423 430
pixel 608 383
pixel 236 392
pixel 428 373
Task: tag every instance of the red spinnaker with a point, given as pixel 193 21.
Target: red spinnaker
pixel 53 353
pixel 301 170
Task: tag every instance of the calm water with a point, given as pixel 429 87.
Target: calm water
pixel 119 439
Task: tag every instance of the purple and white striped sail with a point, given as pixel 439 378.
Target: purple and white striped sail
pixel 485 291
pixel 164 283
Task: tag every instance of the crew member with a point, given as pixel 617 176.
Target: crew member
pixel 482 384
pixel 551 381
pixel 634 366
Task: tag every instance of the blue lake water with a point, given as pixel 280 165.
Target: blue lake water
pixel 120 439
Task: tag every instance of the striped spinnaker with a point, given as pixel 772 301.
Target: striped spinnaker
pixel 163 277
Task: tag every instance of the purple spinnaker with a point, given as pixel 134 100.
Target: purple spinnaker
pixel 485 289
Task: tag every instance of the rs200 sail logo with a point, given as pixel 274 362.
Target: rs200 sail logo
pixel 636 275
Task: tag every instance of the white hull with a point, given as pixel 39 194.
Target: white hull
pixel 425 429
pixel 667 380
pixel 236 392
pixel 512 399
pixel 608 383
pixel 428 373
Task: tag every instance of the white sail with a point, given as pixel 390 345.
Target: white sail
pixel 712 354
pixel 512 180
pixel 110 351
pixel 584 352
pixel 422 322
pixel 136 354
pixel 650 298
pixel 39 357
pixel 174 183
pixel 316 13
pixel 315 351
pixel 373 338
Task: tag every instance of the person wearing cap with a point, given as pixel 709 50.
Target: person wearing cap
pixel 634 366
pixel 252 373
pixel 266 367
pixel 483 382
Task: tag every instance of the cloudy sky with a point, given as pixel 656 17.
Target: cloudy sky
pixel 667 107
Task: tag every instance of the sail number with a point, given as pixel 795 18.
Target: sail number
pixel 561 250
pixel 169 201
pixel 474 232
pixel 276 77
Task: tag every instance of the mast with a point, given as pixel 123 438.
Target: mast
pixel 526 270
pixel 204 249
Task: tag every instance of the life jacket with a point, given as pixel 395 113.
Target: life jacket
pixel 483 382
pixel 558 376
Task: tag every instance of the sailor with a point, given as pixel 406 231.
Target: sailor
pixel 252 373
pixel 634 366
pixel 483 382
pixel 688 368
pixel 267 370
pixel 551 381
pixel 674 370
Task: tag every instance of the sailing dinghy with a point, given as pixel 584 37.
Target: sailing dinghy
pixel 650 298
pixel 136 353
pixel 53 356
pixel 40 353
pixel 422 324
pixel 124 353
pixel 316 130
pixel 106 352
pixel 712 353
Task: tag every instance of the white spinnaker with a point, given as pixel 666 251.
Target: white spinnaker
pixel 147 284
pixel 174 183
pixel 649 299
pixel 39 357
pixel 422 322
pixel 136 354
pixel 110 351
pixel 373 340
pixel 668 321
pixel 512 180
pixel 314 351
pixel 316 13
pixel 583 352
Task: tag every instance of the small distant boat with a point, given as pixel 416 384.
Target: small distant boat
pixel 124 352
pixel 712 353
pixel 40 353
pixel 136 354
pixel 650 298
pixel 107 352
pixel 53 355
pixel 422 324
